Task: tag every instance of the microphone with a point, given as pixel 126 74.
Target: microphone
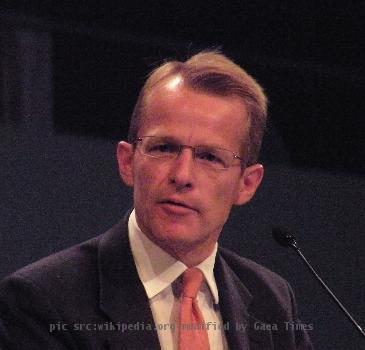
pixel 286 238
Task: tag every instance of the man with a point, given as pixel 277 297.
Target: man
pixel 194 140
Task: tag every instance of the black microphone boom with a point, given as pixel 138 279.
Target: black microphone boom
pixel 286 238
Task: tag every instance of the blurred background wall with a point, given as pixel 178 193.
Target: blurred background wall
pixel 69 77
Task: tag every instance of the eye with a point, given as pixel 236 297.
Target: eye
pixel 209 157
pixel 163 148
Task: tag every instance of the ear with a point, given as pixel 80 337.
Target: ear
pixel 125 161
pixel 249 183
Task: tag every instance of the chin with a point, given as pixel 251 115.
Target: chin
pixel 171 233
pixel 176 237
pixel 175 233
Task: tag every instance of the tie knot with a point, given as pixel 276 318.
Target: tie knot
pixel 192 280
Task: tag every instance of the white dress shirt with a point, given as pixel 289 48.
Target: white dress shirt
pixel 159 273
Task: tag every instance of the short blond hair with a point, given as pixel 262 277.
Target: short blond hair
pixel 213 73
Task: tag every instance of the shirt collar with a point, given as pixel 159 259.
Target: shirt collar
pixel 158 269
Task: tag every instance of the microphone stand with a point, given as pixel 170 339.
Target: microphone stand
pixel 329 291
pixel 284 238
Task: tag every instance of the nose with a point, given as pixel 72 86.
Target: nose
pixel 181 173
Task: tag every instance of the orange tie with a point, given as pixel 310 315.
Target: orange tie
pixel 193 333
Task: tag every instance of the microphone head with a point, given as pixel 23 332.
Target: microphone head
pixel 284 237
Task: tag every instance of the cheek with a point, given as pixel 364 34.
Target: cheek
pixel 142 183
pixel 226 189
pixel 224 197
pixel 147 178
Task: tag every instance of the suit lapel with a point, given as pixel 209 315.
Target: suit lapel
pixel 234 302
pixel 122 296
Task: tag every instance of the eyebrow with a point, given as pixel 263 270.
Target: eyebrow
pixel 176 140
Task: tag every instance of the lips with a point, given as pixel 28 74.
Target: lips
pixel 171 203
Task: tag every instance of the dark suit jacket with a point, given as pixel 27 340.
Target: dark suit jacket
pixel 70 299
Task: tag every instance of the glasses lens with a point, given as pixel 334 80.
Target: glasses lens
pixel 159 147
pixel 209 157
pixel 215 158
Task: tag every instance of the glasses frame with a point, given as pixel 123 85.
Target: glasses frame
pixel 193 148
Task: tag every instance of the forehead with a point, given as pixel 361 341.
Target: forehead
pixel 173 109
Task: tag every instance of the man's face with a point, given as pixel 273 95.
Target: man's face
pixel 178 203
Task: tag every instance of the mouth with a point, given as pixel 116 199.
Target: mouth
pixel 177 205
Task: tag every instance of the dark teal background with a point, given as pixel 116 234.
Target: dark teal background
pixel 70 74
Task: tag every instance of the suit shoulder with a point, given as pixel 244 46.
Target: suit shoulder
pixel 70 263
pixel 254 275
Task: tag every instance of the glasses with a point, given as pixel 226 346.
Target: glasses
pixel 214 158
